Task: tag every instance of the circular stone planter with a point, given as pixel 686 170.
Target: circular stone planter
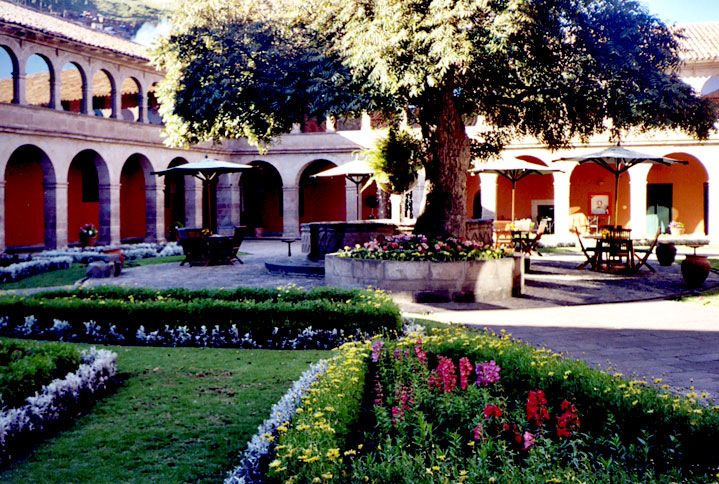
pixel 422 281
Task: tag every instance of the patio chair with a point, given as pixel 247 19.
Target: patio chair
pixel 193 245
pixel 643 254
pixel 589 252
pixel 237 238
pixel 533 246
pixel 503 234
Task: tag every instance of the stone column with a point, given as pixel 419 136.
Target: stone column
pixel 86 102
pixel 155 219
pixel 638 200
pixel 141 103
pixel 396 208
pixel 198 205
pixel 2 215
pixel 562 188
pixel 55 91
pixel 20 84
pixel 488 185
pixel 60 213
pixel 224 204
pixel 116 98
pixel 713 215
pixel 291 211
pixel 330 124
pixel 351 201
pixel 114 190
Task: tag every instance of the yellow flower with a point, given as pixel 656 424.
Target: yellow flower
pixel 333 454
pixel 275 463
pixel 327 476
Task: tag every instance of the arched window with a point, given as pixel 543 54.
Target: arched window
pixel 72 87
pixel 102 92
pixel 131 99
pixel 38 81
pixel 8 71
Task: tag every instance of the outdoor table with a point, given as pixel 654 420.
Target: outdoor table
pixel 614 251
pixel 523 239
pixel 219 249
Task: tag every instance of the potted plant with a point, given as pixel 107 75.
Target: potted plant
pixel 88 235
pixel 666 252
pixel 676 228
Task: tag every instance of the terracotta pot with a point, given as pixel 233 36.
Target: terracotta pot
pixel 666 253
pixel 88 241
pixel 695 269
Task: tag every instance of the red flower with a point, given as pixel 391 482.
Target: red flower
pixel 492 411
pixel 568 421
pixel 465 370
pixel 448 374
pixel 421 355
pixel 537 412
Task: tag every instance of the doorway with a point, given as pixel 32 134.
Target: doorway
pixel 659 206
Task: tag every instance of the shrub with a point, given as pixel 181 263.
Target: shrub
pixel 25 368
pixel 420 248
pixel 262 316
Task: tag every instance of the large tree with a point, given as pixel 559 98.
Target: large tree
pixel 556 70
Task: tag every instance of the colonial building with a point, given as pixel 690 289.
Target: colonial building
pixel 80 137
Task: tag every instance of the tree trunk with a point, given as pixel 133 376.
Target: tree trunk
pixel 445 170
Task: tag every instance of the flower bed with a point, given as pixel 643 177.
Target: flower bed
pixel 25 368
pixel 21 270
pixel 55 403
pixel 457 406
pixel 246 318
pixel 420 248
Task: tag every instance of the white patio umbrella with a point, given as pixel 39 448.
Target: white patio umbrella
pixel 206 171
pixel 357 171
pixel 618 160
pixel 513 170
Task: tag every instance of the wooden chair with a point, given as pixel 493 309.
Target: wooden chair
pixel 642 255
pixel 237 239
pixel 533 245
pixel 503 234
pixel 589 252
pixel 193 245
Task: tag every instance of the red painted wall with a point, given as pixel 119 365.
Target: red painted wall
pixel 590 178
pixel 324 200
pixel 533 187
pixel 79 213
pixel 132 201
pixel 472 189
pixel 24 203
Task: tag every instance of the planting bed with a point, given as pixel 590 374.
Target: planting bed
pixel 457 406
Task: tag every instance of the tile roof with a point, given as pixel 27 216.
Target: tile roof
pixel 701 41
pixel 25 17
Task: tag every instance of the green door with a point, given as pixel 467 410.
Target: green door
pixel 659 207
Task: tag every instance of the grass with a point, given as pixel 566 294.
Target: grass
pixel 67 277
pixel 183 414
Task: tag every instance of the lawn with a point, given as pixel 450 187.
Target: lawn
pixel 67 277
pixel 182 414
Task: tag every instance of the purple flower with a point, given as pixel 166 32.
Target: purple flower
pixel 487 373
pixel 376 350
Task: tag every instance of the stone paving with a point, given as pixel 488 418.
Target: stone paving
pixel 626 323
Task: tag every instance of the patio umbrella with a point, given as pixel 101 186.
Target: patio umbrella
pixel 357 171
pixel 206 171
pixel 618 160
pixel 513 170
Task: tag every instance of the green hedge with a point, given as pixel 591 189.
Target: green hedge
pixel 256 310
pixel 26 367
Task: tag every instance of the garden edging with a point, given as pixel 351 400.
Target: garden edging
pixel 474 280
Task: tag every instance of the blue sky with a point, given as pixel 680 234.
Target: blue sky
pixel 684 11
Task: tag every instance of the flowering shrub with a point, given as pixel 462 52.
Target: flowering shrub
pixel 56 402
pixel 456 406
pixel 420 248
pixel 87 231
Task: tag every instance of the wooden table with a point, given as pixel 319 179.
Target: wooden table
pixel 523 240
pixel 614 251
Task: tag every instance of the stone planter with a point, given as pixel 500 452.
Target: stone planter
pixel 464 281
pixel 695 269
pixel 666 253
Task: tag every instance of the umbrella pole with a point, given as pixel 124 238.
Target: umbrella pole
pixel 514 185
pixel 616 199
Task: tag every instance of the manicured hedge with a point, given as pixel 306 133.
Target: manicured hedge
pixel 260 312
pixel 26 367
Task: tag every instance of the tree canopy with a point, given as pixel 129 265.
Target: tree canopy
pixel 556 70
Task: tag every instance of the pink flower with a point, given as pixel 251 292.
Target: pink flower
pixel 421 355
pixel 465 369
pixel 378 393
pixel 397 414
pixel 478 432
pixel 487 373
pixel 527 441
pixel 447 373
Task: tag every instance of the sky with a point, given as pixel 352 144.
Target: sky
pixel 684 11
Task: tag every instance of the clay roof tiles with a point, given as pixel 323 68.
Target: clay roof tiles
pixel 31 19
pixel 701 41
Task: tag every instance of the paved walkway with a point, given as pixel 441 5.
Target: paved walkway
pixel 629 324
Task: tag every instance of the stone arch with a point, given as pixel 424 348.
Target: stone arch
pixel 261 204
pixel 179 199
pixel 137 200
pixel 590 179
pixel 30 199
pixel 88 196
pixel 131 100
pixel 103 94
pixel 39 81
pixel 73 88
pixel 153 105
pixel 321 199
pixel 711 87
pixel 687 186
pixel 9 69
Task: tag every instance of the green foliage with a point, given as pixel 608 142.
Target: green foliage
pixel 135 11
pixel 396 159
pixel 182 415
pixel 556 70
pixel 259 310
pixel 26 367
